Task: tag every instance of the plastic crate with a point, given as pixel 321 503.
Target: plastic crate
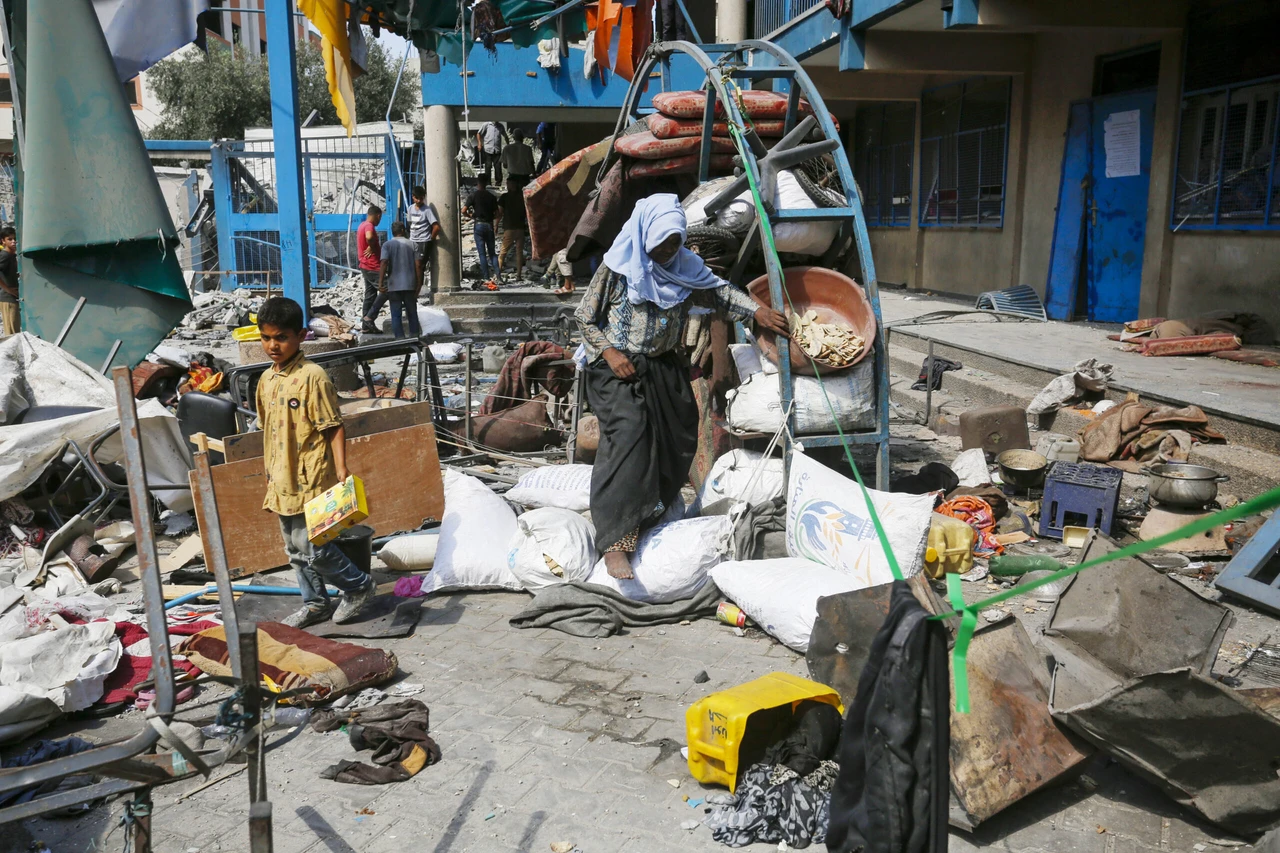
pixel 1077 494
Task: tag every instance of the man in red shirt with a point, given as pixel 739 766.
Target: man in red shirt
pixel 369 251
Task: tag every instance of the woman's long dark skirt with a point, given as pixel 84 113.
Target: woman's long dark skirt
pixel 648 436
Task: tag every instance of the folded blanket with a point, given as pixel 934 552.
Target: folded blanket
pixel 588 610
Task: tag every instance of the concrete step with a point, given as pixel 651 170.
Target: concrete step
pixel 1250 458
pixel 539 311
pixel 506 296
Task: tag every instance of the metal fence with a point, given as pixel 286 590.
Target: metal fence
pixel 963 146
pixel 772 14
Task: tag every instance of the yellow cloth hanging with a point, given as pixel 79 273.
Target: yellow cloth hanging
pixel 330 18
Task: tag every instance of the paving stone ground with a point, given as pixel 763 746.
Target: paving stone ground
pixel 547 738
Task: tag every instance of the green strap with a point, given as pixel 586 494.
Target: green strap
pixel 960 652
pixel 766 230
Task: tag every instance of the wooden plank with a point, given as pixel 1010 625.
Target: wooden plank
pixel 172 591
pixel 185 552
pixel 249 445
pixel 402 480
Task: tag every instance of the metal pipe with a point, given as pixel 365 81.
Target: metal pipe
pixel 466 391
pixel 257 588
pixel 391 135
pixel 111 356
pixel 247 639
pixel 140 827
pixel 260 828
pixel 66 327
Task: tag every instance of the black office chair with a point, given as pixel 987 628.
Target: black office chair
pixel 213 416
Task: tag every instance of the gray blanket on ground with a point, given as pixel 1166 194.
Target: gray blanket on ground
pixel 589 610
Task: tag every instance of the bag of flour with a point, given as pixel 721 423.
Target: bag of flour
pixel 551 546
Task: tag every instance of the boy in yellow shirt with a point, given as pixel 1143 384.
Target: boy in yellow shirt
pixel 304 450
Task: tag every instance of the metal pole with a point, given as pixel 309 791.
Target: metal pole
pixel 928 386
pixel 211 533
pixel 260 828
pixel 140 809
pixel 287 138
pixel 19 132
pixel 111 356
pixel 247 639
pixel 66 327
pixel 466 392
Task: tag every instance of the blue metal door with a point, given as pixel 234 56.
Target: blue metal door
pixel 1120 174
pixel 1068 228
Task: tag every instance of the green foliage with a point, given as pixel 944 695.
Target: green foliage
pixel 214 96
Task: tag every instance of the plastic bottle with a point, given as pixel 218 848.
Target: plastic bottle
pixel 1020 564
pixel 949 548
pixel 276 718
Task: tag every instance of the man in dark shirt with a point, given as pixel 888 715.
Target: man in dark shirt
pixel 483 207
pixel 9 280
pixel 515 222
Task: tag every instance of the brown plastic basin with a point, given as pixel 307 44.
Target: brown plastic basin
pixel 836 299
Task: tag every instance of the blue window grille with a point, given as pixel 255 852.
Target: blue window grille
pixel 1230 119
pixel 772 14
pixel 883 142
pixel 964 140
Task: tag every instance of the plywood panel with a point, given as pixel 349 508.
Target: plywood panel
pixel 249 445
pixel 401 474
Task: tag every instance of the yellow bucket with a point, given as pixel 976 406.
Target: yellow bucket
pixel 247 333
pixel 716 724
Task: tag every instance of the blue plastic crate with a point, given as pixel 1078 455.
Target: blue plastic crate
pixel 1077 494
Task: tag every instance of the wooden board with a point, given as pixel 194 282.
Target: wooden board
pixel 183 554
pixel 249 445
pixel 402 480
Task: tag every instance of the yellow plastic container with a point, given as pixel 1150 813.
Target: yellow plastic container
pixel 715 725
pixel 949 548
pixel 246 333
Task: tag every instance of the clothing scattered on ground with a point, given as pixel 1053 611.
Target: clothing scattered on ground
pixel 420 221
pixel 1136 432
pixel 528 367
pixel 1251 329
pixel 403 256
pixel 979 515
pixel 396 732
pixel 589 610
pixel 609 319
pixel 483 205
pixel 893 786
pixel 368 246
pixel 940 366
pixel 1088 377
pixel 296 403
pixel 773 804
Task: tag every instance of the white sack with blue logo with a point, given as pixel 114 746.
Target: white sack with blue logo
pixel 551 546
pixel 828 522
pixel 672 561
pixel 781 596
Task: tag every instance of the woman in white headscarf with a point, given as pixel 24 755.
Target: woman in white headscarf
pixel 637 380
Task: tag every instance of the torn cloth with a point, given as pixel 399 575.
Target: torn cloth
pixel 528 366
pixel 1145 433
pixel 1087 376
pixel 979 515
pixel 397 734
pixel 774 804
pixel 588 610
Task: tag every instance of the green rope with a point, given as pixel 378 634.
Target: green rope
pixel 766 230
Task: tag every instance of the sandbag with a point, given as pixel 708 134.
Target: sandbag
pixel 414 552
pixel 446 353
pixel 521 429
pixel 756 404
pixel 475 535
pixel 563 486
pixel 752 103
pixel 434 321
pixel 672 560
pixel 646 146
pixel 666 127
pixel 828 522
pixel 551 546
pixel 781 596
pixel 744 475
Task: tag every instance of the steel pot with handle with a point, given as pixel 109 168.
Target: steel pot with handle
pixel 1180 484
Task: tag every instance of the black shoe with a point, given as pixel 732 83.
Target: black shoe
pixel 369 327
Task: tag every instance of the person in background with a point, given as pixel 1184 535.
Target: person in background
pixel 489 141
pixel 515 223
pixel 10 322
pixel 545 136
pixel 637 378
pixel 400 279
pixel 424 227
pixel 563 270
pixel 368 252
pixel 483 207
pixel 517 159
pixel 304 453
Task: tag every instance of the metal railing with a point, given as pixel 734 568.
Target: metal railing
pixel 772 14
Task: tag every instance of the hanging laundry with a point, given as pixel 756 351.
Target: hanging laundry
pixel 330 19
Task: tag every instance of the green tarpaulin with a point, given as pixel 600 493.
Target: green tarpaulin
pixel 94 223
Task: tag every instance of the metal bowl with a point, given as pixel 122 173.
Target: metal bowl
pixel 1023 469
pixel 1180 484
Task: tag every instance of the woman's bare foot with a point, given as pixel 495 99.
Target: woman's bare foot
pixel 618 566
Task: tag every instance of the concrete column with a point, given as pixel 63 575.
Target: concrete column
pixel 731 20
pixel 440 149
pixel 1157 249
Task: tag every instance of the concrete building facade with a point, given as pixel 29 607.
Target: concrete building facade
pixel 1117 157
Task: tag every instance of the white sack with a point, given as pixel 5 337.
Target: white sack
pixel 36 373
pixel 434 321
pixel 69 664
pixel 781 596
pixel 474 536
pixel 970 466
pixel 413 552
pixel 671 561
pixel 552 546
pixel 828 522
pixel 800 238
pixel 446 353
pixel 747 359
pixel 563 486
pixel 23 712
pixel 756 404
pixel 743 475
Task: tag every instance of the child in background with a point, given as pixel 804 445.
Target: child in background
pixel 304 451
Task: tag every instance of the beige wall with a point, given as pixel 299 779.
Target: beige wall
pixel 1236 271
pixel 894 251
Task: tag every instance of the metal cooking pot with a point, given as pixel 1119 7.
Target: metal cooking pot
pixel 1180 484
pixel 1022 469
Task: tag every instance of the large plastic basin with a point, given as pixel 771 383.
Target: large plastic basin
pixel 836 298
